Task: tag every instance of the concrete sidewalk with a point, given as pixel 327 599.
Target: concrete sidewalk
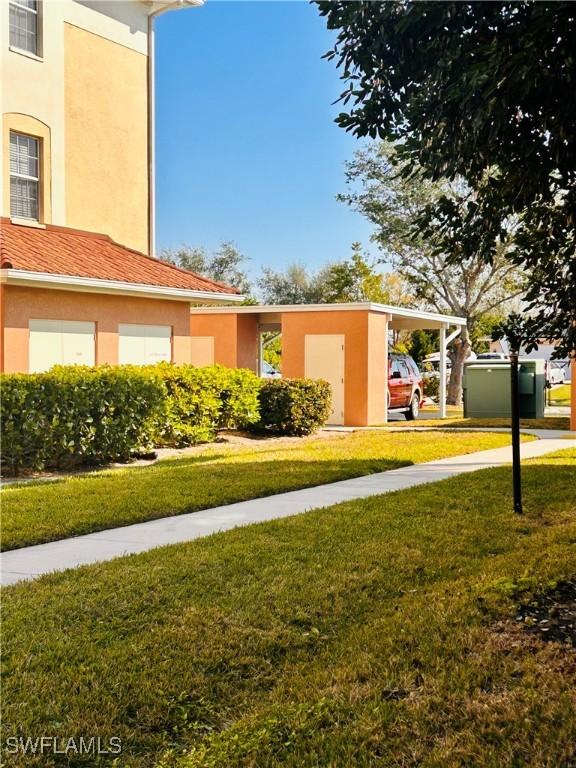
pixel 31 562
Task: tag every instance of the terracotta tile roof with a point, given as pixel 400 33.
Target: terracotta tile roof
pixel 63 251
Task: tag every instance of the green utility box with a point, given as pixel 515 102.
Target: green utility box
pixel 486 387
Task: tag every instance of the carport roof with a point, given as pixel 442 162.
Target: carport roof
pixel 399 317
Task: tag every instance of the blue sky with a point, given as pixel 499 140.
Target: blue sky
pixel 247 148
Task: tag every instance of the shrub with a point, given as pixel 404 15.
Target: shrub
pixel 432 387
pixel 201 401
pixel 239 389
pixel 74 413
pixel 431 382
pixel 294 406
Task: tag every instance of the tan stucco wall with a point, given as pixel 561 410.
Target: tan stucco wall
pixel 101 75
pixel 107 311
pixel 377 368
pixel 34 88
pixel 106 124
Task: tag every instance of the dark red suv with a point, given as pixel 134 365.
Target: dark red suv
pixel 405 386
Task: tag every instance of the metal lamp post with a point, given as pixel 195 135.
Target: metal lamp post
pixel 515 411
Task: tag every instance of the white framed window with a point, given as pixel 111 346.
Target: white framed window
pixel 25 25
pixel 24 176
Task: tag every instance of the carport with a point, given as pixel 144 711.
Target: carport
pixel 346 344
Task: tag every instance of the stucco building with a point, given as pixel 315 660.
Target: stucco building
pixel 78 283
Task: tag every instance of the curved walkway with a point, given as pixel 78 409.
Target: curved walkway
pixel 31 562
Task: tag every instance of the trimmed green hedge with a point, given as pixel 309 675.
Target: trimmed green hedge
pixel 75 414
pixel 294 406
pixel 201 401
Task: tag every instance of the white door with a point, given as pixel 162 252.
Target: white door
pixel 144 344
pixel 202 350
pixel 60 342
pixel 324 359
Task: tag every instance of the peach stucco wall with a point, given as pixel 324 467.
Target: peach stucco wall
pixel 365 344
pixel 235 338
pixel 107 311
pixel 247 352
pixel 364 357
pixel 223 330
pixel 2 304
pixel 573 396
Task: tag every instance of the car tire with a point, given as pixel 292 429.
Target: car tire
pixel 414 410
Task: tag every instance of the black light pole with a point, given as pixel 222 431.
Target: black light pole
pixel 515 401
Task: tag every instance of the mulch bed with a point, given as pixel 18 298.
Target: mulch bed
pixel 551 616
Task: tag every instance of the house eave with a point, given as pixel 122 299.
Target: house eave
pixel 394 313
pixel 97 285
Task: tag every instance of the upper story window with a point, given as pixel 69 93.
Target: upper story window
pixel 24 176
pixel 24 26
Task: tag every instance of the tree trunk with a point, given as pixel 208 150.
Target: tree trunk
pixel 459 353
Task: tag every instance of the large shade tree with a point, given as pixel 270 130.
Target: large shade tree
pixel 484 91
pixel 350 280
pixel 226 264
pixel 440 280
pixel 293 285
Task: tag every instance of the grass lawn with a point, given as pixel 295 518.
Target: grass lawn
pixel 452 422
pixel 378 632
pixel 560 395
pixel 36 513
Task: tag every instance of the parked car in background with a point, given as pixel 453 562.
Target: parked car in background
pixel 405 386
pixel 492 356
pixel 555 372
pixel 269 372
pixel 432 362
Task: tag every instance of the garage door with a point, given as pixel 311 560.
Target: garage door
pixel 144 344
pixel 324 359
pixel 60 342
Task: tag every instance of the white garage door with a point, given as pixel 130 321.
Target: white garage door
pixel 324 359
pixel 60 342
pixel 144 344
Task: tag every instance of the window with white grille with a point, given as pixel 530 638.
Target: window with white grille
pixel 24 26
pixel 24 176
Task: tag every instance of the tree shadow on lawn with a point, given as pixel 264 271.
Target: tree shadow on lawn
pixel 219 632
pixel 97 471
pixel 45 512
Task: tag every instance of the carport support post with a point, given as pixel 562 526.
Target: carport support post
pixel 260 351
pixel 442 387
